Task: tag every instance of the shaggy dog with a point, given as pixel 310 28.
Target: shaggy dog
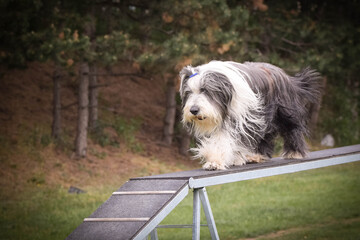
pixel 236 110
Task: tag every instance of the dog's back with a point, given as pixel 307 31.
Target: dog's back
pixel 286 102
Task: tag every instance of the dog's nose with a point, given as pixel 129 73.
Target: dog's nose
pixel 194 110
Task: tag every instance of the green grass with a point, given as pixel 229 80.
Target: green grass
pixel 318 204
pixel 333 231
pixel 43 213
pixel 257 207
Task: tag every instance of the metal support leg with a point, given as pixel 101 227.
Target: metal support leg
pixel 200 198
pixel 196 215
pixel 153 235
pixel 208 213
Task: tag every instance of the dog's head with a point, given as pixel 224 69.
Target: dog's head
pixel 206 92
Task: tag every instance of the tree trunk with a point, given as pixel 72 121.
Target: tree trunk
pixel 184 142
pixel 314 116
pixel 93 98
pixel 170 115
pixel 90 30
pixel 314 111
pixel 83 111
pixel 56 124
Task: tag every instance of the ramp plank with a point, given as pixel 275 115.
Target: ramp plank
pixel 127 206
pixel 131 206
pixel 317 155
pixel 105 230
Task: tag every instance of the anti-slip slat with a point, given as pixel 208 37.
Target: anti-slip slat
pixel 116 219
pixel 144 192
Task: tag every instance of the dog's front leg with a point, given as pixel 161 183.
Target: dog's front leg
pixel 217 151
pixel 213 160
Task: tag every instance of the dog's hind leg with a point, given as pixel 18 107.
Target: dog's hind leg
pixel 292 129
pixel 266 145
pixel 294 144
pixel 264 149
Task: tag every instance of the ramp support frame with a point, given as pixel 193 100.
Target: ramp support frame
pixel 200 198
pixel 199 192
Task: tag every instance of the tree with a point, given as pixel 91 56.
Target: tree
pixel 83 111
pixel 56 36
pixel 93 89
pixel 64 47
pixel 93 98
pixel 56 124
pixel 169 120
pixel 185 140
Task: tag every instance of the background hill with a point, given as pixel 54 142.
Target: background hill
pixel 128 142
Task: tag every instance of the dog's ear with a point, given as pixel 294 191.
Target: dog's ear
pixel 186 72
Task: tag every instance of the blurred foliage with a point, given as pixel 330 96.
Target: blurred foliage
pixel 60 31
pixel 127 130
pixel 163 36
pixel 102 137
pixel 109 132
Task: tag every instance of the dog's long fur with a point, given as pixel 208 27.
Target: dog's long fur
pixel 236 110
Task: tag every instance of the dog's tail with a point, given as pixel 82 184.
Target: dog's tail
pixel 309 83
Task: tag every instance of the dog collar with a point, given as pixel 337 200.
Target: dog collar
pixel 193 75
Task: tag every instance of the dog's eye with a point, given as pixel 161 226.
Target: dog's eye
pixel 202 90
pixel 187 93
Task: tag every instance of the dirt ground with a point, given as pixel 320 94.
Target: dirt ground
pixel 26 117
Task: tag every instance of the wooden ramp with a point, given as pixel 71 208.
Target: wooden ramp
pixel 135 210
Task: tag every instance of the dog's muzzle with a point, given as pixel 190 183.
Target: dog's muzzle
pixel 195 111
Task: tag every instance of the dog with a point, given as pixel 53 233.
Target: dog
pixel 236 110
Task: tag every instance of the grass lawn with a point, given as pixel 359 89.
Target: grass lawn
pixel 316 204
pixel 327 199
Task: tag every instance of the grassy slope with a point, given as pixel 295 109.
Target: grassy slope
pixel 253 208
pixel 317 204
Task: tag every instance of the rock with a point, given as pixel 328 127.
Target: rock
pixel 328 141
pixel 75 190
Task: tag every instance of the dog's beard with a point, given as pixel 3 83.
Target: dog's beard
pixel 202 124
pixel 207 118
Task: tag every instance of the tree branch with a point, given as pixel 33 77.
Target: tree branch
pixel 296 44
pixel 286 50
pixel 69 105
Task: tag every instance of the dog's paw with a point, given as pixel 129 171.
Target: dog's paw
pixel 256 158
pixel 211 166
pixel 293 155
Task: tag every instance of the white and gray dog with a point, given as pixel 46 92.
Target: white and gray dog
pixel 236 110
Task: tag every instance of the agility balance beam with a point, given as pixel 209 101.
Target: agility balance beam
pixel 136 209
